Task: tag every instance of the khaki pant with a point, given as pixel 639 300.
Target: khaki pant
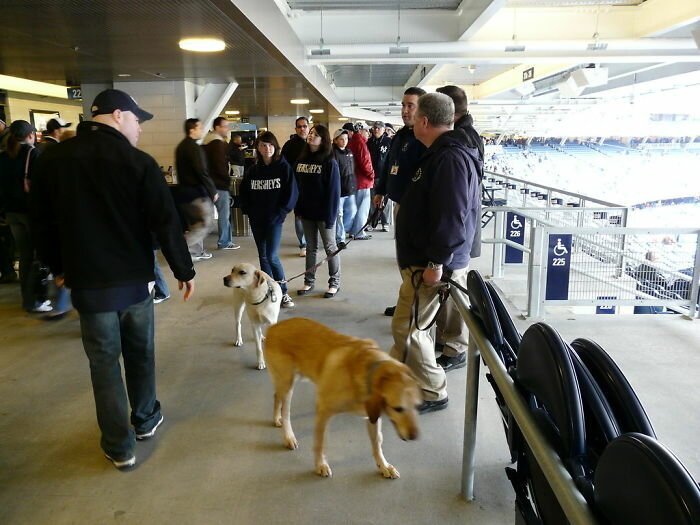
pixel 415 347
pixel 450 329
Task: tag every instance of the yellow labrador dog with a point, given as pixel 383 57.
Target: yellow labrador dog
pixel 351 375
pixel 258 294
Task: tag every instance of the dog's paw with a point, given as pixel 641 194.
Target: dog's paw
pixel 324 470
pixel 389 471
pixel 238 342
pixel 261 366
pixel 291 442
pixel 277 421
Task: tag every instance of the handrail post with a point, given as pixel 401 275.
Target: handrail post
pixel 535 269
pixel 498 250
pixel 695 285
pixel 470 413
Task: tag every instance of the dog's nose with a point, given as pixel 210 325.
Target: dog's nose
pixel 413 434
pixel 227 280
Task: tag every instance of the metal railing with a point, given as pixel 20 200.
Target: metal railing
pixel 571 500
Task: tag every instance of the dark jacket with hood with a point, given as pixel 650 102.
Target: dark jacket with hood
pixel 268 193
pixel 473 140
pixel 96 200
pixel 400 164
pixel 440 209
pixel 192 174
pixel 379 151
pixel 216 150
pixel 318 179
pixel 13 198
pixel 293 148
pixel 346 165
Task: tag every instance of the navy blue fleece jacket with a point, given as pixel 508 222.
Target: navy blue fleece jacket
pixel 268 193
pixel 440 208
pixel 318 179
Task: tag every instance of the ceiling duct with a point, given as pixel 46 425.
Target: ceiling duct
pixel 696 36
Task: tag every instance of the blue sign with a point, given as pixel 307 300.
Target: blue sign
pixel 603 309
pixel 515 231
pixel 558 266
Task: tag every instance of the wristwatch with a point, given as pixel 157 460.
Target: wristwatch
pixel 434 266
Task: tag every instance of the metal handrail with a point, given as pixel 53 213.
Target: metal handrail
pixel 569 497
pixel 529 183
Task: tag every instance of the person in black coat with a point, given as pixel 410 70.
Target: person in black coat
pixel 379 144
pixel 268 194
pixel 347 207
pixel 291 151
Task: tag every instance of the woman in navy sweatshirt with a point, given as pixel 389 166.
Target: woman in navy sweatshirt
pixel 268 194
pixel 318 178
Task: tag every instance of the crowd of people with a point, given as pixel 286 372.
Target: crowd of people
pixel 94 208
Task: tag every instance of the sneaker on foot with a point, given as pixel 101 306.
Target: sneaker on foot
pixel 287 301
pixel 432 406
pixel 452 362
pixel 159 298
pixel 42 308
pixel 385 227
pixel 230 246
pixel 202 256
pixel 389 311
pixel 302 252
pixel 122 463
pixel 150 433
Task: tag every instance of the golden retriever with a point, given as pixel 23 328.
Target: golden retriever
pixel 258 294
pixel 351 375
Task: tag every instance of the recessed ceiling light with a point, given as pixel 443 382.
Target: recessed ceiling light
pixel 202 45
pixel 299 101
pixel 315 111
pixel 233 112
pixel 123 75
pixel 343 119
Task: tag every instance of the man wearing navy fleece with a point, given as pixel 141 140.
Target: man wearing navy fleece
pixel 434 232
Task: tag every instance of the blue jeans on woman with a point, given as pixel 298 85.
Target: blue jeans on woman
pixel 267 240
pixel 299 230
pixel 106 336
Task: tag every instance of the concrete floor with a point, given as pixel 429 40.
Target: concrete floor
pixel 218 459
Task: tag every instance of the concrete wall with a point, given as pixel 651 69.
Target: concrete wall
pixel 281 127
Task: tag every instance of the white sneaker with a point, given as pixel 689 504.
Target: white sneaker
pixel 203 256
pixel 42 308
pixel 230 246
pixel 122 463
pixel 150 433
pixel 302 252
pixel 287 301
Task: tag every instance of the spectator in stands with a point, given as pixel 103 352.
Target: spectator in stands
pixel 268 194
pixel 217 152
pixel 364 175
pixel 403 157
pixel 348 185
pixel 318 178
pixel 196 192
pixel 17 164
pixel 378 145
pixel 291 151
pixel 434 232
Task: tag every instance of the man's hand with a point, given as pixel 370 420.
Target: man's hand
pixel 432 277
pixel 377 201
pixel 216 197
pixel 189 288
pixel 59 280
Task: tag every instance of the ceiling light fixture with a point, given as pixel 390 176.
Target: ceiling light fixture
pixel 299 101
pixel 315 111
pixel 321 50
pixel 597 45
pixel 471 69
pixel 123 75
pixel 202 45
pixel 232 112
pixel 343 119
pixel 515 47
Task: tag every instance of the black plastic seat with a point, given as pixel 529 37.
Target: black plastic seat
pixel 511 334
pixel 628 410
pixel 639 481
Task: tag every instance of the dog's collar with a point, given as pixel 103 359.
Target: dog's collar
pixel 371 369
pixel 270 294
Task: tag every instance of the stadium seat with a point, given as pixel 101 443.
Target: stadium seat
pixel 639 481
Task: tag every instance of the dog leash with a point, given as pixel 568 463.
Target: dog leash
pixel 372 221
pixel 270 294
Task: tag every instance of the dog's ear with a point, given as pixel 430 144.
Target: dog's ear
pixel 260 277
pixel 374 406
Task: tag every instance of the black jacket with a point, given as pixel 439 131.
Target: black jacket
pixel 95 201
pixel 268 193
pixel 379 151
pixel 466 124
pixel 440 209
pixel 13 198
pixel 216 151
pixel 400 164
pixel 346 165
pixel 192 174
pixel 318 180
pixel 293 148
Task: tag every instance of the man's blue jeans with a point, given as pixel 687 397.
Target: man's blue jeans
pixel 346 214
pixel 106 336
pixel 267 240
pixel 363 200
pixel 223 208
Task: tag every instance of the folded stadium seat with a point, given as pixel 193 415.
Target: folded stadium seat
pixel 628 410
pixel 639 481
pixel 482 306
pixel 488 199
pixel 511 334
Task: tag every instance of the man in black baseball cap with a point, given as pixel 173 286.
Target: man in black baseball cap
pixel 112 99
pixel 52 135
pixel 97 204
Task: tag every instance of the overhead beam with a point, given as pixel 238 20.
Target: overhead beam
pixel 514 78
pixel 656 17
pixel 476 17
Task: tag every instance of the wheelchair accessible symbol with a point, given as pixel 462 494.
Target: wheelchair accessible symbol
pixel 560 249
pixel 515 223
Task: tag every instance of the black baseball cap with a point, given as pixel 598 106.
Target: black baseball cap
pixel 21 128
pixel 349 126
pixel 57 123
pixel 112 99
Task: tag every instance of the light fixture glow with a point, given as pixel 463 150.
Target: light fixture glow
pixel 34 87
pixel 123 75
pixel 315 111
pixel 202 45
pixel 299 101
pixel 343 119
pixel 232 112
